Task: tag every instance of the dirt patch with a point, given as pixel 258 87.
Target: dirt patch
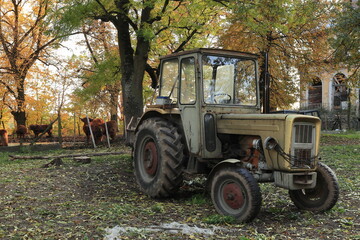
pixel 84 201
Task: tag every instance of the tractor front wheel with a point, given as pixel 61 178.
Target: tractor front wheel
pixel 158 158
pixel 323 196
pixel 235 192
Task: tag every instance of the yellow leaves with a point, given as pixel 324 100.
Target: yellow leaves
pixel 190 219
pixel 22 28
pixel 295 40
pixel 194 237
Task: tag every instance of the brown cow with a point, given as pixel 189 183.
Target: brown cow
pixel 86 128
pixel 37 129
pixel 4 140
pixel 112 129
pixel 97 128
pixel 21 131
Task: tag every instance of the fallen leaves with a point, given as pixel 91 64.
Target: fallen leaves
pixel 77 201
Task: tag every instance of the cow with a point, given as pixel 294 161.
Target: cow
pixel 97 128
pixel 112 129
pixel 37 129
pixel 21 131
pixel 4 140
pixel 86 127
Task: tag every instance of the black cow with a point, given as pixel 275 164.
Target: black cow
pixel 37 129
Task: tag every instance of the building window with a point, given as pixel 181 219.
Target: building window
pixel 340 91
pixel 315 93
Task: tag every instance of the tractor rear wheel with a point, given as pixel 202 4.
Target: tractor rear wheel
pixel 158 158
pixel 235 192
pixel 323 196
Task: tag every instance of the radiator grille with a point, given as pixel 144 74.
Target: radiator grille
pixel 303 133
pixel 303 151
pixel 302 158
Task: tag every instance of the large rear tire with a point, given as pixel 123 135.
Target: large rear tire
pixel 158 158
pixel 235 192
pixel 321 198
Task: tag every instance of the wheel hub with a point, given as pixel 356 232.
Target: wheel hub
pixel 150 159
pixel 233 196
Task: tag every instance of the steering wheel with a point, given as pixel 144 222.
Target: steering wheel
pixel 225 99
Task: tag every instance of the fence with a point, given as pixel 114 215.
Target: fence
pixel 340 119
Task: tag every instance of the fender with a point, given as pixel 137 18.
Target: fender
pixel 226 163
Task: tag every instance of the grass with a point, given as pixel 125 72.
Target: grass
pixel 347 134
pixel 198 199
pixel 219 219
pixel 80 201
pixel 344 159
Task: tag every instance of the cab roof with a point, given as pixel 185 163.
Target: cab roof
pixel 212 51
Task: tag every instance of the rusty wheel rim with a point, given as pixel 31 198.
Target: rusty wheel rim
pixel 232 196
pixel 150 158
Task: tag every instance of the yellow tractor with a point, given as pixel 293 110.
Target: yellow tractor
pixel 208 118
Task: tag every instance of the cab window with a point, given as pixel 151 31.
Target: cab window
pixel 188 89
pixel 228 80
pixel 169 79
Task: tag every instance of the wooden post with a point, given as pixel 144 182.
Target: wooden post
pixel 74 128
pixel 107 134
pixel 91 133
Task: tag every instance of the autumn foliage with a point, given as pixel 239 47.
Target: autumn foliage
pixel 117 69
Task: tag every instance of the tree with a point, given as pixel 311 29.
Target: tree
pixel 101 72
pixel 346 30
pixel 292 32
pixel 138 25
pixel 24 39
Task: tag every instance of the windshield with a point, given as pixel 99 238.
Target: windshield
pixel 229 80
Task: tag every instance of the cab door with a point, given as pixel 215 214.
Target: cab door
pixel 189 102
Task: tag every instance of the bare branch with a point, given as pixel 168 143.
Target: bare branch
pixel 182 45
pixel 89 46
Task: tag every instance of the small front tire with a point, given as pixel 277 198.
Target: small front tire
pixel 235 192
pixel 323 196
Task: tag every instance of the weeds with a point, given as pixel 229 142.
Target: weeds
pixel 198 199
pixel 158 208
pixel 219 219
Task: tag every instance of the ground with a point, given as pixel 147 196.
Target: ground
pixel 101 200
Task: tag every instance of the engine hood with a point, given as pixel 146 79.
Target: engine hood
pixel 248 123
pixel 277 126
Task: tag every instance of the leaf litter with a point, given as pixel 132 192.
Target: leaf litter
pixel 101 200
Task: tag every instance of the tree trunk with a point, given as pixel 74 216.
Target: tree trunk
pixel 59 128
pixel 20 117
pixel 114 100
pixel 132 95
pixel 131 79
pixel 132 62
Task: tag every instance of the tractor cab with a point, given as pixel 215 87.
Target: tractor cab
pixel 202 84
pixel 209 77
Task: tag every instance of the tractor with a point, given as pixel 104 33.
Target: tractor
pixel 211 116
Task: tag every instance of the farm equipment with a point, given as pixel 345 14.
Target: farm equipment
pixel 208 118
